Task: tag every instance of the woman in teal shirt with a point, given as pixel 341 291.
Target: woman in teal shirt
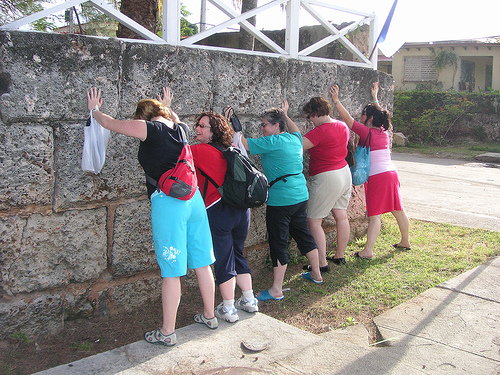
pixel 281 155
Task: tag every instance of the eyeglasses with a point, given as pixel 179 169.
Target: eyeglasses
pixel 198 125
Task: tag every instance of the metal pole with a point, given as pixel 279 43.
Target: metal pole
pixel 203 15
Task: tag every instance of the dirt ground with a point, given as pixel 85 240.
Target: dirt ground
pixel 85 337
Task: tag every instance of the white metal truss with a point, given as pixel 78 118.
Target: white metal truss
pixel 171 28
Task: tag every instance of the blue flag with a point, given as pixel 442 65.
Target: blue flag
pixel 385 29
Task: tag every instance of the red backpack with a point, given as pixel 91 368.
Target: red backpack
pixel 179 182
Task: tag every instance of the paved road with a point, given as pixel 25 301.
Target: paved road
pixel 450 191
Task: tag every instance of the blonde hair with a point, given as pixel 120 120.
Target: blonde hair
pixel 149 108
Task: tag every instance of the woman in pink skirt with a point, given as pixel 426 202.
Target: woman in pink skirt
pixel 382 190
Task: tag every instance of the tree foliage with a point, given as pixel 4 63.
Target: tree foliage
pixel 429 117
pixel 12 10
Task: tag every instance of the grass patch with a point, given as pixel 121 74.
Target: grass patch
pixel 464 151
pixel 362 289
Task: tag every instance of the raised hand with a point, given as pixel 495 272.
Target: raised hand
pixel 285 106
pixel 374 92
pixel 167 97
pixel 334 92
pixel 228 112
pixel 94 98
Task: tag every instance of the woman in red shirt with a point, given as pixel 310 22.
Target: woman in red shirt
pixel 229 225
pixel 382 190
pixel 329 176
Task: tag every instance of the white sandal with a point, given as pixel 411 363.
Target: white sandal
pixel 210 323
pixel 157 337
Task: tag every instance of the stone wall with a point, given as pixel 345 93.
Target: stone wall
pixel 76 244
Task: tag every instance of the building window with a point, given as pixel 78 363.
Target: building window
pixel 419 69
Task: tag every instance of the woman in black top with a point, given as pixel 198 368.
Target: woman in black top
pixel 181 232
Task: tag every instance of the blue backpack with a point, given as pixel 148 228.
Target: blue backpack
pixel 361 169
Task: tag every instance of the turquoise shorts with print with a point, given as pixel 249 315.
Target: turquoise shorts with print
pixel 181 234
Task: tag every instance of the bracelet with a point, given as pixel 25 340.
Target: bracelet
pixel 337 102
pixel 375 102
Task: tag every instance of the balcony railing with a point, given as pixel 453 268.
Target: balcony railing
pixel 171 28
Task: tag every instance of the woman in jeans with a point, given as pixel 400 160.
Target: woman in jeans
pixel 229 225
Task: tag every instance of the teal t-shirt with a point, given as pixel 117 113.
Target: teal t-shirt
pixel 282 154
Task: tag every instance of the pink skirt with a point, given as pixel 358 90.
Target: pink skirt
pixel 383 193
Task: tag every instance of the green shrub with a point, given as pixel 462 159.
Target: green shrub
pixel 426 116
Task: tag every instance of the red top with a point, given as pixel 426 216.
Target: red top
pixel 379 139
pixel 330 147
pixel 212 162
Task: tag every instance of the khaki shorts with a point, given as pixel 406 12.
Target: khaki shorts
pixel 327 191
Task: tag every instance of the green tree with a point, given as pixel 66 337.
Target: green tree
pixel 444 58
pixel 187 28
pixel 12 10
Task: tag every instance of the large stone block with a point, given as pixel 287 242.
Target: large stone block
pixel 121 176
pixel 132 251
pixel 250 84
pixel 132 295
pixel 11 233
pixel 149 67
pixel 306 80
pixel 48 74
pixel 258 232
pixel 54 250
pixel 40 315
pixel 355 84
pixel 26 161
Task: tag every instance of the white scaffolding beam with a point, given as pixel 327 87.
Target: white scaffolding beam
pixel 171 28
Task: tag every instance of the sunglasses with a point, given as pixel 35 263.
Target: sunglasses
pixel 198 125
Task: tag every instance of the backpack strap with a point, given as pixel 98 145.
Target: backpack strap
pixel 183 139
pixel 284 178
pixel 368 139
pixel 207 180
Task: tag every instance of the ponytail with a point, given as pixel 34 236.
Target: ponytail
pixel 381 118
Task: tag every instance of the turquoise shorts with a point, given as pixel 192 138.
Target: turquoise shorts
pixel 181 234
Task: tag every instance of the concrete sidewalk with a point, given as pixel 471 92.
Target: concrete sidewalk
pixel 453 328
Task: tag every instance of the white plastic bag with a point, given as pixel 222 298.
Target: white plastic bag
pixel 237 142
pixel 94 146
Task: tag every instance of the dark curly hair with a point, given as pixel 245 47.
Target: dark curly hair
pixel 149 108
pixel 381 117
pixel 317 106
pixel 222 131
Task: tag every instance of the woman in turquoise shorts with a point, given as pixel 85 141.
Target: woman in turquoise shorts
pixel 181 232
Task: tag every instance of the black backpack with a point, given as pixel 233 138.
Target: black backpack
pixel 244 185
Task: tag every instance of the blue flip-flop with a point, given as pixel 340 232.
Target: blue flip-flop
pixel 266 296
pixel 307 276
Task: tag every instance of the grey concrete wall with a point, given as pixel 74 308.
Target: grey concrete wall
pixel 75 244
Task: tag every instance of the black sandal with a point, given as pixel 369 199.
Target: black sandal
pixel 336 260
pixel 324 269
